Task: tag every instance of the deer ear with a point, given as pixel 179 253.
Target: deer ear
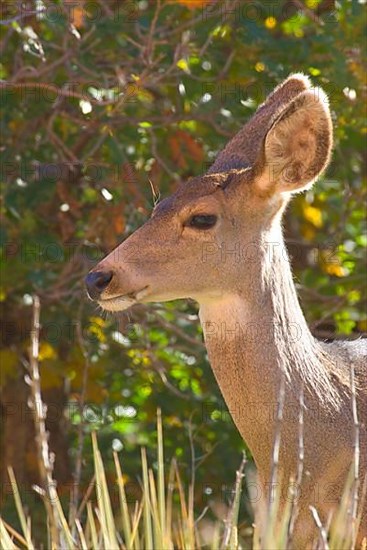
pixel 297 146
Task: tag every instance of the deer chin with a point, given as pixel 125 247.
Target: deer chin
pixel 124 301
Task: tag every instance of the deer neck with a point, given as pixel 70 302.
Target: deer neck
pixel 257 335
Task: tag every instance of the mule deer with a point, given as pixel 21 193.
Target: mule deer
pixel 218 240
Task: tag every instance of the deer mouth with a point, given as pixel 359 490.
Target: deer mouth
pixel 123 301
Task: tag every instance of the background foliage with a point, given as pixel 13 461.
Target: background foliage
pixel 101 101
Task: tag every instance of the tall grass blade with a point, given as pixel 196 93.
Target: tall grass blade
pixel 13 533
pixel 235 508
pixel 161 481
pixel 136 522
pixel 65 532
pixel 19 506
pixel 148 532
pixel 321 528
pixel 169 505
pixel 79 529
pixel 191 521
pixel 157 530
pixel 5 539
pixel 126 524
pixel 92 526
pixel 104 503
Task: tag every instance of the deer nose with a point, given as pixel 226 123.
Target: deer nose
pixel 96 282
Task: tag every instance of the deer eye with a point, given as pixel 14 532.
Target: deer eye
pixel 202 221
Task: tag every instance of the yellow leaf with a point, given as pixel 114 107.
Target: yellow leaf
pixel 221 31
pixel 182 64
pixel 173 421
pixel 97 321
pixel 259 67
pixel 312 4
pixel 313 215
pixel 331 264
pixel 46 352
pixel 270 22
pixel 336 270
pixel 354 296
pixel 96 332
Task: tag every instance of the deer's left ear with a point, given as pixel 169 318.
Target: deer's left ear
pixel 297 146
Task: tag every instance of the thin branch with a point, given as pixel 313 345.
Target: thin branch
pixel 159 159
pixel 321 528
pixel 86 496
pixel 56 90
pixel 160 370
pixel 179 332
pixel 231 521
pixel 18 17
pixel 104 5
pixel 39 409
pixel 192 451
pixel 150 45
pixel 95 147
pixel 178 29
pixel 80 444
pixel 307 11
pixel 36 73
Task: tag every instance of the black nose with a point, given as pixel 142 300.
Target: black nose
pixel 96 282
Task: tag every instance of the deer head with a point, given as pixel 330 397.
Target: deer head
pixel 187 249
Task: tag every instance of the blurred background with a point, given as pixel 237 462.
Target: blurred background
pixel 101 102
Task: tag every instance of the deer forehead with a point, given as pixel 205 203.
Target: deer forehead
pixel 198 190
pixel 207 192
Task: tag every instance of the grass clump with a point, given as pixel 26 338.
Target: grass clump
pixel 159 521
pixel 163 517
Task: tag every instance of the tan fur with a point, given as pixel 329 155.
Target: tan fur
pixel 239 273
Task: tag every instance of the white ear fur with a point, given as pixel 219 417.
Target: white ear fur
pixel 297 147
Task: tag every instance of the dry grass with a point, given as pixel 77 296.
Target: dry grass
pixel 155 523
